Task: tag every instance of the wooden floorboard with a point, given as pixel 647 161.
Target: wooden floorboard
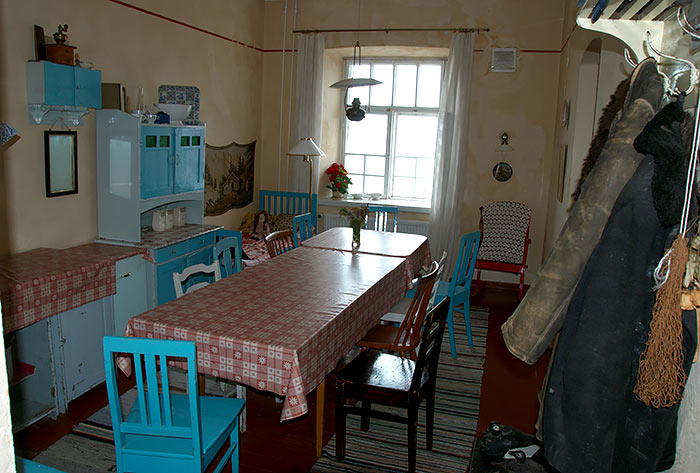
pixel 509 394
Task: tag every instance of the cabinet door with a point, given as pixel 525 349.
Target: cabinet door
pixel 131 297
pixel 189 159
pixel 156 162
pixel 166 288
pixel 88 88
pixel 81 331
pixel 59 84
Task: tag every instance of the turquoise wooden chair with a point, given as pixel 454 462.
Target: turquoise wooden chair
pixel 229 241
pixel 459 287
pixel 167 431
pixel 302 228
pixel 386 218
pixel 23 465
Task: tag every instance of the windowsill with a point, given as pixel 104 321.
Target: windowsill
pixel 403 205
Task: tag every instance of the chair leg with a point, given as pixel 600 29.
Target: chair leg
pixel 241 394
pixel 468 323
pixel 340 422
pixel 412 434
pixel 235 454
pixel 366 408
pixel 429 417
pixel 450 330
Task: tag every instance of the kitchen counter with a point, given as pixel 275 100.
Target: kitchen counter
pixel 40 283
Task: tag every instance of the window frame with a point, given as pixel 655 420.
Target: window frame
pixel 392 113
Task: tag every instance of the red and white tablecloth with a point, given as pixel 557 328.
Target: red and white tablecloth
pixel 415 248
pixel 281 326
pixel 40 283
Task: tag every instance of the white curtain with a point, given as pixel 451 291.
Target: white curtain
pixel 308 108
pixel 451 152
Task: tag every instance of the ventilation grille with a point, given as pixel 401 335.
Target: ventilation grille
pixel 503 59
pixel 405 226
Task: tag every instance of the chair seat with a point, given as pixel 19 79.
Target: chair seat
pixel 379 370
pixel 218 415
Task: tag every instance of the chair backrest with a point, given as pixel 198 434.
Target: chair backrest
pixel 430 343
pixel 230 241
pixel 152 415
pixel 302 228
pixel 505 228
pixel 180 279
pixel 279 242
pixel 385 218
pixel 408 334
pixel 464 266
pixel 433 293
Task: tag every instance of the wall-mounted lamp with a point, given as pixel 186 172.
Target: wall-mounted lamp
pixel 504 146
pixel 8 136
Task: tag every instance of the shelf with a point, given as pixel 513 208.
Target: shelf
pixel 21 371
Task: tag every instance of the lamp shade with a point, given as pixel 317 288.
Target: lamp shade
pixel 306 147
pixel 360 82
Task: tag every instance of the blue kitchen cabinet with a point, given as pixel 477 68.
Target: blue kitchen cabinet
pixel 132 291
pixel 176 257
pixel 49 83
pixel 145 167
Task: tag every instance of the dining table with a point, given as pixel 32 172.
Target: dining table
pixel 282 326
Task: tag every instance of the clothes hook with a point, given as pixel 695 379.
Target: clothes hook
pixel 692 70
pixel 685 24
pixel 628 58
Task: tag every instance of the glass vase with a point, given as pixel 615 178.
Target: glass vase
pixel 356 225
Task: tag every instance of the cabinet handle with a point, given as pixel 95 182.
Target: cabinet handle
pixel 125 275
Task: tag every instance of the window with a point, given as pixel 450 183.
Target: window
pixel 392 150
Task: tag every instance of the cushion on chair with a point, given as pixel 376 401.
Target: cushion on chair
pixel 247 223
pixel 505 226
pixel 282 222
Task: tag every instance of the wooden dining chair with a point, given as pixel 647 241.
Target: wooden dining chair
pixel 405 338
pixel 302 228
pixel 383 218
pixel 374 377
pixel 279 242
pixel 166 430
pixel 228 251
pixel 181 280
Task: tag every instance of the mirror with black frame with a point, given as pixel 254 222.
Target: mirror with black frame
pixel 61 162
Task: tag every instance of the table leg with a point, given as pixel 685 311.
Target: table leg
pixel 201 382
pixel 320 404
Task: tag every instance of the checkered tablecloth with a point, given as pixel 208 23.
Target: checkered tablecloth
pixel 281 326
pixel 415 248
pixel 40 283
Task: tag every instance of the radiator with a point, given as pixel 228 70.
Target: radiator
pixel 405 226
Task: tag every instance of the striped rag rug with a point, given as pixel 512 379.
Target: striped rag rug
pixel 384 447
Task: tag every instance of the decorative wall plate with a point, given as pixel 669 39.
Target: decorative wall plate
pixel 182 94
pixel 502 171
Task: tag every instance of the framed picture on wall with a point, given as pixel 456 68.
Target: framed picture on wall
pixel 561 172
pixel 61 162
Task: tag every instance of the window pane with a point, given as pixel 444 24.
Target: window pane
pixel 374 184
pixel 381 94
pixel 429 76
pixel 362 93
pixel 376 165
pixel 354 164
pixel 357 182
pixel 424 167
pixel 424 188
pixel 405 93
pixel 403 187
pixel 405 167
pixel 367 136
pixel 416 135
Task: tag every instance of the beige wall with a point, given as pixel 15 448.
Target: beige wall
pixel 523 103
pixel 136 49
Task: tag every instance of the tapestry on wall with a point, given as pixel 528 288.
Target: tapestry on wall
pixel 228 177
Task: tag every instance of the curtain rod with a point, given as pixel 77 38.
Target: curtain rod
pixel 390 30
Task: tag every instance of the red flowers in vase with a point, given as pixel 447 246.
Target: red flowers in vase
pixel 339 178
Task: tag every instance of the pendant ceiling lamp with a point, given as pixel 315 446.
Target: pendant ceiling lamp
pixel 354 112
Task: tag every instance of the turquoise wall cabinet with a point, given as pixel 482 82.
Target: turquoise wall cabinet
pixel 56 90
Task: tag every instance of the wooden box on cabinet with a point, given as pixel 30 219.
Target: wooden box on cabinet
pixel 142 167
